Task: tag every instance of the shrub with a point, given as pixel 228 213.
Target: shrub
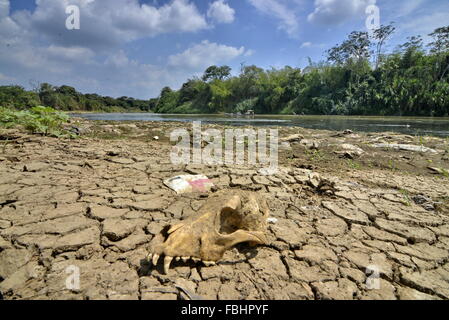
pixel 41 120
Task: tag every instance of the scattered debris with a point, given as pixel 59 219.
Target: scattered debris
pixel 189 183
pixel 425 202
pixel 405 147
pixel 349 151
pixel 293 138
pixel 272 220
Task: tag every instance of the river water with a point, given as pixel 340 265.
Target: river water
pixel 407 125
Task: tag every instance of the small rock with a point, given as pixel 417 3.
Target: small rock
pixel 314 179
pixel 293 138
pixel 405 147
pixel 438 170
pixel 35 167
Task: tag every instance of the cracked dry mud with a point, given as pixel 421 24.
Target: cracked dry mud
pixel 96 205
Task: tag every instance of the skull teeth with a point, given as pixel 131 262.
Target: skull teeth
pixel 209 263
pixel 167 261
pixel 155 259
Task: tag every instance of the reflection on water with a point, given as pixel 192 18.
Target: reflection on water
pixel 413 126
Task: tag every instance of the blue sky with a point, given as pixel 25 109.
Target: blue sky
pixel 134 48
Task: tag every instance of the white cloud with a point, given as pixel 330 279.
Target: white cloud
pixel 109 23
pixel 205 54
pixel 306 44
pixel 330 12
pixel 425 23
pixel 249 53
pixel 278 9
pixel 4 8
pixel 70 54
pixel 35 45
pixel 409 7
pixel 220 12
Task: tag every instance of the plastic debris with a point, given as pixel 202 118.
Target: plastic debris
pixel 189 183
pixel 272 220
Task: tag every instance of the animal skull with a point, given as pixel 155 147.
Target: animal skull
pixel 226 219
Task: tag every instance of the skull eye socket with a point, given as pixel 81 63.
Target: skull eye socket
pixel 164 232
pixel 230 221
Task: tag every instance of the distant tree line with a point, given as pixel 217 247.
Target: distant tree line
pixel 66 98
pixel 357 78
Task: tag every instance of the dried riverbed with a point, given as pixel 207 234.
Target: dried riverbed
pixel 95 203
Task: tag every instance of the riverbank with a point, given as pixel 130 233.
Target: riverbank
pixel 95 202
pixel 416 126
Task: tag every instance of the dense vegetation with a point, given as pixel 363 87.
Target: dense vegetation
pixel 357 78
pixel 66 98
pixel 38 119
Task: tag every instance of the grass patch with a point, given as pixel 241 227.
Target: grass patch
pixel 37 120
pixel 407 200
pixel 315 155
pixel 353 164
